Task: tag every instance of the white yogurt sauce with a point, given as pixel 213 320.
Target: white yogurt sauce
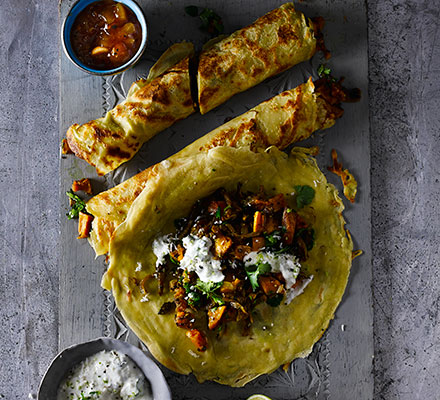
pixel 161 248
pixel 198 257
pixel 107 375
pixel 287 264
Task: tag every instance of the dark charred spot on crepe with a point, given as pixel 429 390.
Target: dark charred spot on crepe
pixel 286 34
pixel 117 152
pixel 188 103
pixel 207 94
pixel 102 133
pixel 156 92
pixel 247 134
pixel 211 63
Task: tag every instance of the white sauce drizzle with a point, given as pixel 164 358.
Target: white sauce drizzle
pixel 198 258
pixel 107 375
pixel 287 264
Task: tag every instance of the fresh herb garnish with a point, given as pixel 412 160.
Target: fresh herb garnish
pixel 273 239
pixel 254 271
pixel 304 195
pixel 194 297
pixel 208 289
pixel 211 22
pixel 324 71
pixel 218 213
pixel 77 207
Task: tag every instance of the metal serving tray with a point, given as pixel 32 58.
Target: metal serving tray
pixel 340 366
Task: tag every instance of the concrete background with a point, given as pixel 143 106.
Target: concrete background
pixel 404 86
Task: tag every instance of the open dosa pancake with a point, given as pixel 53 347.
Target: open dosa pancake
pixel 152 105
pixel 278 334
pixel 274 43
pixel 285 119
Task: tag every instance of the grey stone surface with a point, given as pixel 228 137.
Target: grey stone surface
pixel 404 44
pixel 28 193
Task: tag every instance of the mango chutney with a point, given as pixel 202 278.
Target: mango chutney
pixel 105 35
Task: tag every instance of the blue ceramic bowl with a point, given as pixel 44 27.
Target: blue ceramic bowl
pixel 67 46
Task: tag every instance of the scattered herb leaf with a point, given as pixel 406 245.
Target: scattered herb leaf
pixel 254 271
pixel 208 289
pixel 218 213
pixel 78 205
pixel 324 71
pixel 304 195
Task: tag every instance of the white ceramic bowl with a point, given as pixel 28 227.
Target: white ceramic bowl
pixel 73 355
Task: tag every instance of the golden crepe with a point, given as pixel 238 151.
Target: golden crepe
pixel 278 335
pixel 274 43
pixel 285 119
pixel 152 105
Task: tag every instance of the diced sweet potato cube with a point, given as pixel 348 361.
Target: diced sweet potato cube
pixel 270 285
pixel 84 225
pixel 82 184
pixel 214 316
pixel 198 339
pixel 222 245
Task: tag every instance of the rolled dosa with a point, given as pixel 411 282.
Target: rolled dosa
pixel 275 42
pixel 287 118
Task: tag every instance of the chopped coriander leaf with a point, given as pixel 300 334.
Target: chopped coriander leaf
pixel 323 70
pixel 304 195
pixel 78 205
pixel 208 289
pixel 273 238
pixel 254 271
pixel 218 213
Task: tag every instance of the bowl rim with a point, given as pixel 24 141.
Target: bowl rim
pixel 72 355
pixel 77 7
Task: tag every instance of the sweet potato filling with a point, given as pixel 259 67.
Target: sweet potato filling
pixel 238 226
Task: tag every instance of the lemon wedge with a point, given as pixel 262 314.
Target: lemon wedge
pixel 258 397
